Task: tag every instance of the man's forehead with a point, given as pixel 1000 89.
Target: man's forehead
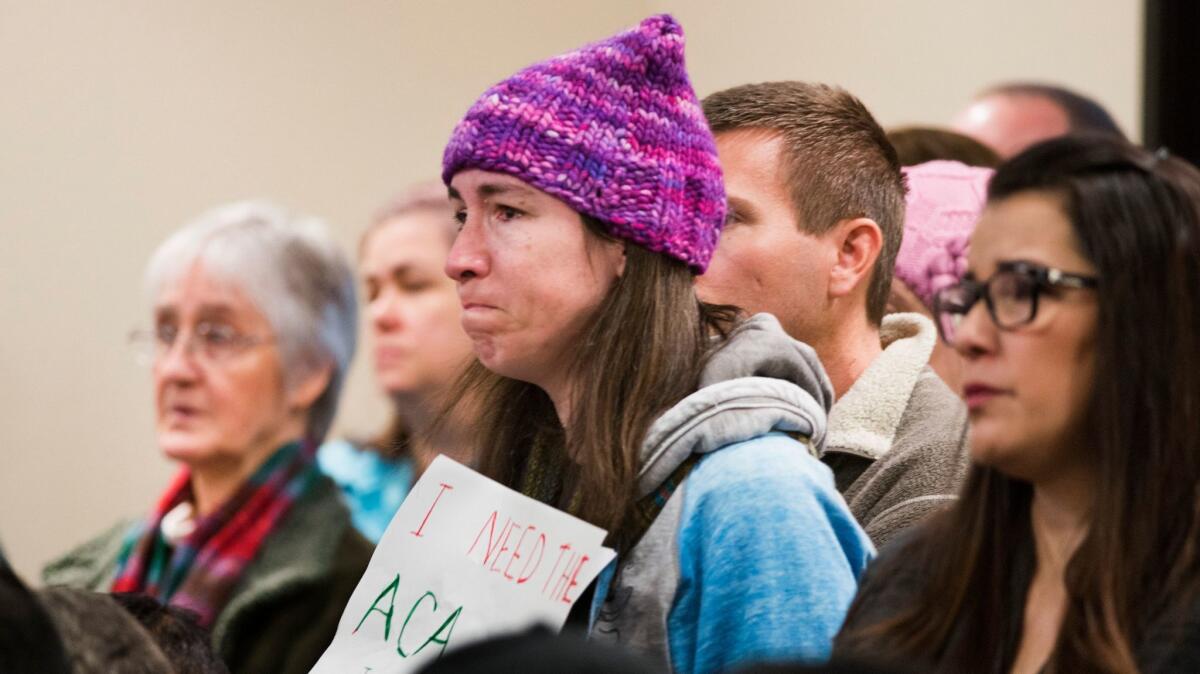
pixel 751 150
pixel 751 136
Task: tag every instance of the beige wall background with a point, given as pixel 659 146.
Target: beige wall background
pixel 121 120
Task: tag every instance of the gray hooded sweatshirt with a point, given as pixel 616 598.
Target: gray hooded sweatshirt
pixel 754 555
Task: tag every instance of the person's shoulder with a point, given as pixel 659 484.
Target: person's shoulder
pixel 303 547
pixel 935 418
pixel 925 466
pixel 90 564
pixel 765 460
pixel 773 490
pixel 316 520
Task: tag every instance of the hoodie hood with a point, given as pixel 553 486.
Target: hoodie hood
pixel 759 381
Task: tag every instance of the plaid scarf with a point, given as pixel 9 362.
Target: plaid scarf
pixel 202 570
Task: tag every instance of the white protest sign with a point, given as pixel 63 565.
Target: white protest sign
pixel 464 558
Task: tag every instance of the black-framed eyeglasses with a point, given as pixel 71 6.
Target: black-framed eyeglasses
pixel 1011 295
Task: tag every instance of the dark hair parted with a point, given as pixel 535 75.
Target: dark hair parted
pixel 837 161
pixel 919 144
pixel 1084 115
pixel 1136 217
pixel 642 352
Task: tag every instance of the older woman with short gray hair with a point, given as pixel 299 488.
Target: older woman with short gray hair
pixel 254 327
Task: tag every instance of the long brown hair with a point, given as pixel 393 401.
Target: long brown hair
pixel 641 352
pixel 1137 219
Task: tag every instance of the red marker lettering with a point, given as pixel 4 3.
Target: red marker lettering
pixel 562 549
pixel 516 551
pixel 564 578
pixel 503 544
pixel 430 511
pixel 574 581
pixel 490 526
pixel 540 547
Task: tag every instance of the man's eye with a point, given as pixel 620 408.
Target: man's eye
pixel 732 217
pixel 460 216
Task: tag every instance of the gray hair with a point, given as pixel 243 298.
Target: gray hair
pixel 293 271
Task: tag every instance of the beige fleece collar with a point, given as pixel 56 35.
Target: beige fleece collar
pixel 864 421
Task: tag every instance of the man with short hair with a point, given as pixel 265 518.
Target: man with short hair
pixel 1010 117
pixel 816 215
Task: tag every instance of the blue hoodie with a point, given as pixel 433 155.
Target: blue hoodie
pixel 755 556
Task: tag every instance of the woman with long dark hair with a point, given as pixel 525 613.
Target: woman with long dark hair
pixel 589 194
pixel 1074 544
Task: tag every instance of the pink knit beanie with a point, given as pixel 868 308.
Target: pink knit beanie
pixel 615 130
pixel 944 201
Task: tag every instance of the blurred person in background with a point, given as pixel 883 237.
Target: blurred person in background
pixel 419 349
pixel 29 640
pixel 943 204
pixel 816 217
pixel 1010 117
pixel 1073 547
pixel 254 327
pixel 100 637
pixel 588 193
pixel 176 631
pixel 919 144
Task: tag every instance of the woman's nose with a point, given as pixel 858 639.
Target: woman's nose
pixel 384 312
pixel 468 257
pixel 975 333
pixel 178 362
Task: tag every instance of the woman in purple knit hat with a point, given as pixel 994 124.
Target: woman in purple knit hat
pixel 588 195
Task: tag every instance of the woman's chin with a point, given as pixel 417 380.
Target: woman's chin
pixel 184 447
pixel 987 445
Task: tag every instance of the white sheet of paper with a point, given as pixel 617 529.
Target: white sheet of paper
pixel 464 558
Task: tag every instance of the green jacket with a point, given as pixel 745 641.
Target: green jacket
pixel 286 608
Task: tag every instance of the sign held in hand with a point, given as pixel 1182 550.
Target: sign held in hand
pixel 464 558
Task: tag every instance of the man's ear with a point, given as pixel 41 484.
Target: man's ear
pixel 305 392
pixel 859 241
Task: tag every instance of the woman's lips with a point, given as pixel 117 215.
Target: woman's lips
pixel 387 355
pixel 978 395
pixel 181 413
pixel 473 313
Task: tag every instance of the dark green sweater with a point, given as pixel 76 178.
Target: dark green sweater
pixel 285 609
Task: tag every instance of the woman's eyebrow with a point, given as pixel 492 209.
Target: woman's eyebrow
pixel 486 190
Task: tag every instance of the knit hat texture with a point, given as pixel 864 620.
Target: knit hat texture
pixel 613 129
pixel 944 201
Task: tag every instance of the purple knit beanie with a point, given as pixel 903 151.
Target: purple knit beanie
pixel 614 129
pixel 943 204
